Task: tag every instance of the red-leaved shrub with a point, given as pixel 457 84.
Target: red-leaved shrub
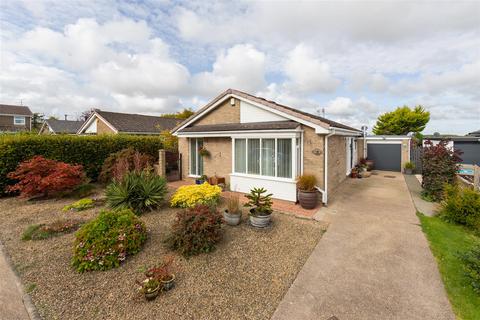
pixel 44 177
pixel 118 164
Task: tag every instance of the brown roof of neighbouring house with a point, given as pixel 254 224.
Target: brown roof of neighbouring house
pixel 64 126
pixel 137 123
pixel 272 104
pixel 269 125
pixel 15 110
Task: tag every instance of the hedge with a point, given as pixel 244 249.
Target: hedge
pixel 89 151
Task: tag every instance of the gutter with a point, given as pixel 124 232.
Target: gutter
pixel 325 170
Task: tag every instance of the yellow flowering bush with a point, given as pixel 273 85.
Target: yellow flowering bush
pixel 189 196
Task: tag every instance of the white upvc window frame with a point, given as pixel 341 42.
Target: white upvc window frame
pixel 294 157
pixel 21 123
pixel 198 157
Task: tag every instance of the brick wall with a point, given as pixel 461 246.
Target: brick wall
pixel 220 161
pixel 360 146
pixel 183 149
pixel 102 128
pixel 224 113
pixel 6 124
pixel 405 153
pixel 337 161
pixel 313 154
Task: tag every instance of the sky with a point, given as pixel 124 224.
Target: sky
pixel 351 60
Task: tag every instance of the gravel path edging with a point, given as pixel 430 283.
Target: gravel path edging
pixel 26 299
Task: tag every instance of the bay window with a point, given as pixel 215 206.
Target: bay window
pixel 196 160
pixel 271 157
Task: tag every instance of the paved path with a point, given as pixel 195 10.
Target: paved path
pixel 11 302
pixel 373 262
pixel 425 207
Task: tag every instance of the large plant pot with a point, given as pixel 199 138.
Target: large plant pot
pixel 260 221
pixel 231 219
pixel 370 164
pixel 169 284
pixel 153 294
pixel 408 171
pixel 308 199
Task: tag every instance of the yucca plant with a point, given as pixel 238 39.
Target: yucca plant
pixel 139 191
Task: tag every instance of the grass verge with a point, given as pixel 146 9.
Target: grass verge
pixel 448 242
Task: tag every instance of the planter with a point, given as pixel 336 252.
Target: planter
pixel 169 284
pixel 153 294
pixel 199 181
pixel 370 164
pixel 365 174
pixel 354 174
pixel 308 199
pixel 408 171
pixel 259 221
pixel 231 219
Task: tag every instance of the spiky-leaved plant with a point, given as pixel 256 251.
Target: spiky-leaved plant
pixel 259 201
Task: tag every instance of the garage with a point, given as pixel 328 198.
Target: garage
pixel 389 153
pixel 471 151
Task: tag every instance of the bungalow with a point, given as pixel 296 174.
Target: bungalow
pixel 101 122
pixel 469 145
pixel 15 118
pixel 254 142
pixel 55 126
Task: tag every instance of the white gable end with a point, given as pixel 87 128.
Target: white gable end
pixel 92 127
pixel 251 113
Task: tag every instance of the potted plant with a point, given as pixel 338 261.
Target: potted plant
pixel 201 180
pixel 233 212
pixel 203 152
pixel 163 274
pixel 370 163
pixel 307 194
pixel 354 173
pixel 409 167
pixel 150 287
pixel 261 207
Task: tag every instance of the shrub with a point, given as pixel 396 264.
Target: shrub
pixel 410 165
pixel 45 231
pixel 439 166
pixel 471 264
pixel 80 205
pixel 40 176
pixel 196 230
pixel 89 151
pixel 461 205
pixel 139 191
pixel 190 196
pixel 233 204
pixel 261 204
pixel 123 161
pixel 107 240
pixel 306 182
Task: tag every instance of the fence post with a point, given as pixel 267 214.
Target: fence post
pixel 476 177
pixel 161 169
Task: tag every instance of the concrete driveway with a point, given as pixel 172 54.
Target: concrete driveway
pixel 374 261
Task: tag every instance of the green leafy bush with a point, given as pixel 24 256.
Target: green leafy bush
pixel 89 151
pixel 196 230
pixel 45 231
pixel 471 264
pixel 106 241
pixel 80 205
pixel 461 205
pixel 439 166
pixel 139 191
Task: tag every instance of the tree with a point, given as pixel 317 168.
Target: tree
pixel 86 114
pixel 184 114
pixel 402 121
pixel 37 121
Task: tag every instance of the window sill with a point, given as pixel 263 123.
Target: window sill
pixel 253 176
pixel 194 176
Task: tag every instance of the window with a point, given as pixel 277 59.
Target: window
pixel 19 120
pixel 267 157
pixel 196 160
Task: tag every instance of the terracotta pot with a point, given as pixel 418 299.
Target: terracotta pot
pixel 259 221
pixel 308 199
pixel 169 284
pixel 354 174
pixel 231 219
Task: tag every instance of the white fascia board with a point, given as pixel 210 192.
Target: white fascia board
pixel 89 121
pixel 384 141
pixel 318 129
pixel 237 134
pixel 383 138
pixel 346 132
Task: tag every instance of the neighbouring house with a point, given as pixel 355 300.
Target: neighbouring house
pixel 102 122
pixel 55 126
pixel 15 118
pixel 254 142
pixel 469 145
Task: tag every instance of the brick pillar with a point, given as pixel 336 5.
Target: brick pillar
pixel 161 169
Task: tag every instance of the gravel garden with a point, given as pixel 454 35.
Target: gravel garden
pixel 136 250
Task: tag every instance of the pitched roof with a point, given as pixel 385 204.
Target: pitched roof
pixel 272 104
pixel 268 125
pixel 475 133
pixel 137 123
pixel 15 110
pixel 64 126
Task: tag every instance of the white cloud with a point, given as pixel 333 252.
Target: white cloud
pixel 241 67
